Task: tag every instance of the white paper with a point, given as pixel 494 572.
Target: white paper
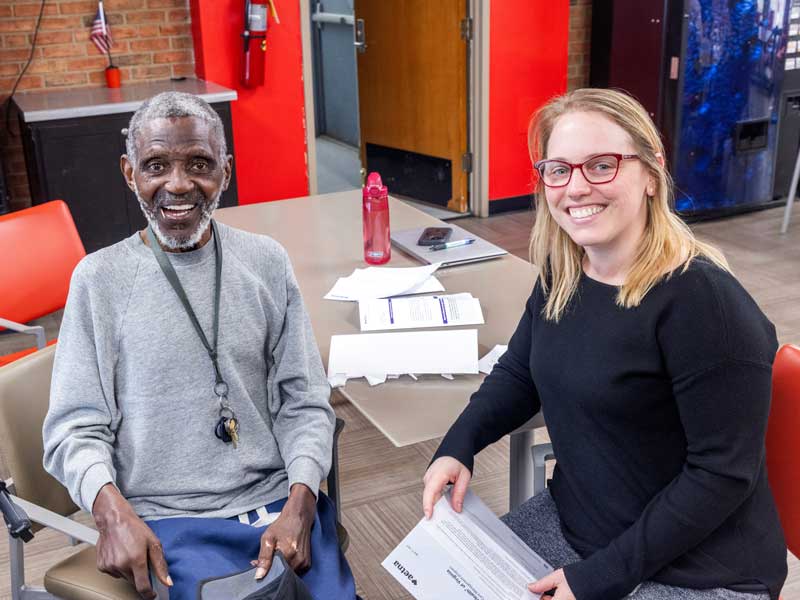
pixel 487 363
pixel 338 380
pixel 425 311
pixel 383 282
pixel 470 555
pixel 375 355
pixel 374 380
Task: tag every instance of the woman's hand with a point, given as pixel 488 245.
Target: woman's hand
pixel 556 580
pixel 445 470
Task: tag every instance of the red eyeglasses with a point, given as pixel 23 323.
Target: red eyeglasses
pixel 602 168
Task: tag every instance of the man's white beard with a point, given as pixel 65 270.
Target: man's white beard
pixel 174 243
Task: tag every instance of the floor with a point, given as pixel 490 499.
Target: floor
pixel 338 166
pixel 339 169
pixel 381 484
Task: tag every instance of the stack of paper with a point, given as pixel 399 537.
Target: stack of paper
pixel 383 282
pixel 377 356
pixel 464 556
pixel 425 311
pixel 487 363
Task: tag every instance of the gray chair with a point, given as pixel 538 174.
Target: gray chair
pixel 24 400
pixel 540 453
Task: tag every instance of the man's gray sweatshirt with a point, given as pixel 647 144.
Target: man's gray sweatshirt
pixel 132 398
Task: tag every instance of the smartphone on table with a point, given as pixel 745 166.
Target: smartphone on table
pixel 434 235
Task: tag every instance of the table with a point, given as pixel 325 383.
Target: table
pixel 323 237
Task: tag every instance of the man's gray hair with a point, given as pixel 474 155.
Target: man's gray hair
pixel 167 105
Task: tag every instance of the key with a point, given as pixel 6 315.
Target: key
pixel 232 427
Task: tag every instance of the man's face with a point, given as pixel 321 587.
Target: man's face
pixel 178 179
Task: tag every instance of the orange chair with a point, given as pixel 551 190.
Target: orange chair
pixel 39 248
pixel 783 443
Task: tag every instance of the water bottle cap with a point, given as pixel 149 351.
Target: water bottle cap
pixel 374 187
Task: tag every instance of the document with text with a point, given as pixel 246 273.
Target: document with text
pixel 421 311
pixel 383 282
pixel 470 555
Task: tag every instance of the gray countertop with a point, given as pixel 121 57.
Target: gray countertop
pixel 88 102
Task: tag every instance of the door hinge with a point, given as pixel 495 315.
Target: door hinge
pixel 466 29
pixel 466 162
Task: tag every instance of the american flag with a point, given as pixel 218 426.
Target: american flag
pixel 101 32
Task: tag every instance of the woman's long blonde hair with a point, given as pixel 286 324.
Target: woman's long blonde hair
pixel 667 241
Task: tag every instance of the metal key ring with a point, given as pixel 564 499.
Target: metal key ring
pixel 226 411
pixel 221 389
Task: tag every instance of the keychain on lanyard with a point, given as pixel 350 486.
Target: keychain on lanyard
pixel 227 427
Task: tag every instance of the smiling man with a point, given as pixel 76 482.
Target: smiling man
pixel 187 383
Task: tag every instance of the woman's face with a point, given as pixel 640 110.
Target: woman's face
pixel 607 217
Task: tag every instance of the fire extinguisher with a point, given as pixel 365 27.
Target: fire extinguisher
pixel 255 42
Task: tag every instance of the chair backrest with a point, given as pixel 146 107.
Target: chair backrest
pixel 24 399
pixel 783 442
pixel 39 248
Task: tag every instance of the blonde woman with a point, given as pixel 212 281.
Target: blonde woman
pixel 652 366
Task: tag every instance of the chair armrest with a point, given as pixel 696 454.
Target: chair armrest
pixel 55 521
pixel 333 474
pixel 540 453
pixel 34 330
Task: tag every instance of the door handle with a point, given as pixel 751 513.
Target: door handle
pixel 360 41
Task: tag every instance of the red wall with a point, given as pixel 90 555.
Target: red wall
pixel 527 66
pixel 268 122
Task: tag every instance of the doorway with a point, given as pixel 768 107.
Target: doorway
pixel 392 90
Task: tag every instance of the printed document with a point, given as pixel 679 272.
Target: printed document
pixel 383 282
pixel 378 355
pixel 420 311
pixel 470 555
pixel 487 363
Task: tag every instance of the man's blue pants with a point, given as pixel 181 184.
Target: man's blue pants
pixel 197 549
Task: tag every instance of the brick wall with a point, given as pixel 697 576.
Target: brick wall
pixel 152 40
pixel 580 34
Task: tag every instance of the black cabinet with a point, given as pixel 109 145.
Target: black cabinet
pixel 77 160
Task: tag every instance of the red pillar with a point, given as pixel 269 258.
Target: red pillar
pixel 527 66
pixel 269 121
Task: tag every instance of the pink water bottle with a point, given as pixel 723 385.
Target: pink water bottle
pixel 375 211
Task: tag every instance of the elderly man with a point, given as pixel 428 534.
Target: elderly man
pixel 186 385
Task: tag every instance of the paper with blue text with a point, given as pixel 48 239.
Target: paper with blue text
pixel 420 311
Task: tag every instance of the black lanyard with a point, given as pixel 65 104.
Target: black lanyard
pixel 220 387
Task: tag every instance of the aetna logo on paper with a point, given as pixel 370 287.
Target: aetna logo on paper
pixel 405 572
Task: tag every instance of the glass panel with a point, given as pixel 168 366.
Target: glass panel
pixel 732 77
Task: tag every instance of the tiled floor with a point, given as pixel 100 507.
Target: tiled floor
pixel 338 166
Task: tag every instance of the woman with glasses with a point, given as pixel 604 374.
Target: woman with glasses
pixel 652 366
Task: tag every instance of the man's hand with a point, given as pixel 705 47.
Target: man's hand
pixel 442 471
pixel 126 543
pixel 556 580
pixel 290 532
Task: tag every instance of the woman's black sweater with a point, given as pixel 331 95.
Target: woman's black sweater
pixel 657 416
